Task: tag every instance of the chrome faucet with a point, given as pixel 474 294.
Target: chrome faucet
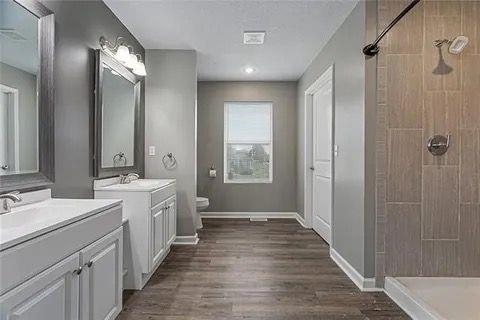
pixel 129 177
pixel 5 206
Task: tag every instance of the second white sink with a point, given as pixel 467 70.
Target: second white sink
pixel 136 185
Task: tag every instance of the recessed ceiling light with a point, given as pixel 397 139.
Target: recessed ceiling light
pixel 253 37
pixel 249 70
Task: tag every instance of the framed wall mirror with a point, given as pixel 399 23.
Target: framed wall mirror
pixel 26 95
pixel 117 116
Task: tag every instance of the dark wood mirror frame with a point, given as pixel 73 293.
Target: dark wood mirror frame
pixel 46 96
pixel 100 59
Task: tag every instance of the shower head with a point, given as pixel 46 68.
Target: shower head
pixel 456 45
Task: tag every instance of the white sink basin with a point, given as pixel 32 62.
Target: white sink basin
pixel 137 185
pixel 31 220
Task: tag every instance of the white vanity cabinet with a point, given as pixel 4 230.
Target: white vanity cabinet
pixel 101 278
pixel 171 220
pixel 151 209
pixel 61 259
pixel 158 234
pixel 52 295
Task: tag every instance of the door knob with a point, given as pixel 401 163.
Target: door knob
pixel 4 167
pixel 312 168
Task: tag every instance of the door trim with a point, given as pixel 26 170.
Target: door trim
pixel 14 103
pixel 326 76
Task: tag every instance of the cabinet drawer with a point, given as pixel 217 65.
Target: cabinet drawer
pixel 162 194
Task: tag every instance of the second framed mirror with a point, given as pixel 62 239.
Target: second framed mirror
pixel 117 109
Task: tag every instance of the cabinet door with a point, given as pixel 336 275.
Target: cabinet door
pixel 171 224
pixel 101 278
pixel 158 234
pixel 52 294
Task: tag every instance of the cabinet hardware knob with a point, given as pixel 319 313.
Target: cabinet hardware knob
pixel 89 264
pixel 78 271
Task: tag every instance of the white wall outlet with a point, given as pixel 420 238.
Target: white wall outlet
pixel 212 173
pixel 335 150
pixel 151 150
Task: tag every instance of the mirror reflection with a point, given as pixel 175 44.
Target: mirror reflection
pixel 19 68
pixel 118 120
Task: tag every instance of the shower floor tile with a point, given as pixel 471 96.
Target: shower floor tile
pixel 445 298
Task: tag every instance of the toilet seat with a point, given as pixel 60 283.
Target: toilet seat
pixel 202 202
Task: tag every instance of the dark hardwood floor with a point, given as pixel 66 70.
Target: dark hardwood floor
pixel 271 270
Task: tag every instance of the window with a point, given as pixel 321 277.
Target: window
pixel 248 142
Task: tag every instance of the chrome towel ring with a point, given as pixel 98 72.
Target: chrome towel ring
pixel 169 161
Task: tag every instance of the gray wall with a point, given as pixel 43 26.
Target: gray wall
pixel 78 26
pixel 170 126
pixel 349 223
pixel 274 197
pixel 26 83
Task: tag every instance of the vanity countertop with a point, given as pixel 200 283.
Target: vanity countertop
pixel 139 185
pixel 34 219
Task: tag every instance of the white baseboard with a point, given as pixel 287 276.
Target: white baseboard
pixel 323 229
pixel 186 240
pixel 364 284
pixel 409 302
pixel 255 215
pixel 248 215
pixel 301 220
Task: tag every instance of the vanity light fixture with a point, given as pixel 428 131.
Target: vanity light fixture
pixel 125 54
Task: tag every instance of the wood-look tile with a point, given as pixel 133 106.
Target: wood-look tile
pixel 471 92
pixel 381 96
pixel 273 270
pixel 380 269
pixel 469 248
pixel 382 77
pixel 380 195
pixel 440 258
pixel 469 166
pixel 404 166
pixel 471 25
pixel 441 115
pixel 403 243
pixel 380 234
pixel 440 202
pixel 381 59
pixel 401 39
pixel 442 70
pixel 442 8
pixel 405 91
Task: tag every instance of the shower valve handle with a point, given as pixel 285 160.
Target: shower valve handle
pixel 438 144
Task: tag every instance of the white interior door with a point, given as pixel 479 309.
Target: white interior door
pixel 4 106
pixel 322 161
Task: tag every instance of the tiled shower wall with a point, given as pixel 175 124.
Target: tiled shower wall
pixel 428 208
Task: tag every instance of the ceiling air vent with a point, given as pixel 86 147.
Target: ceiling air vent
pixel 253 37
pixel 12 34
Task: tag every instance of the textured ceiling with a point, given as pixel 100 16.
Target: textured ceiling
pixel 296 31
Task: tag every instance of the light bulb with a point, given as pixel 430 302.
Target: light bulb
pixel 139 69
pixel 132 61
pixel 122 54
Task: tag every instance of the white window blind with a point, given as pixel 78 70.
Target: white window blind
pixel 248 142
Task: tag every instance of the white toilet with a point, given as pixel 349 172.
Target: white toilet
pixel 202 204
